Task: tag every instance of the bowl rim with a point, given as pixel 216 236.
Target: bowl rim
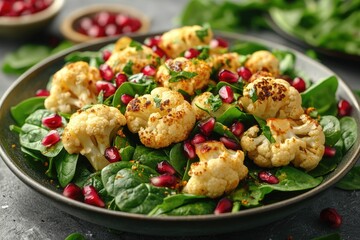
pixel 62 200
pixel 50 11
pixel 67 29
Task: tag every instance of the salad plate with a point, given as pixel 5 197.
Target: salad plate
pixel 37 78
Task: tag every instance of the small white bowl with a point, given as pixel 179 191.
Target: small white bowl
pixel 28 25
pixel 70 22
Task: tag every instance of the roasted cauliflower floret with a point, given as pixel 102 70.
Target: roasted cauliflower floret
pixel 130 56
pixel 182 73
pixel 268 97
pixel 263 60
pixel 228 61
pixel 176 41
pixel 160 118
pixel 207 105
pixel 73 87
pixel 300 142
pixel 219 170
pixel 89 132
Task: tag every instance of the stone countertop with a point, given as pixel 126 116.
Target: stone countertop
pixel 26 215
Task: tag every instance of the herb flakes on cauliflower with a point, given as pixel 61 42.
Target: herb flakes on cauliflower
pixel 90 131
pixel 160 118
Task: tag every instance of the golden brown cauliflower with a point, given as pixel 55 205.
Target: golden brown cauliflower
pixel 161 118
pixel 268 97
pixel 176 41
pixel 263 60
pixel 182 73
pixel 89 132
pixel 228 61
pixel 207 105
pixel 300 142
pixel 131 56
pixel 73 87
pixel 219 170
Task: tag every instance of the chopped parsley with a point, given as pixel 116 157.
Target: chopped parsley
pixel 157 101
pixel 128 68
pixel 136 45
pixel 265 129
pixel 182 75
pixel 253 95
pixel 202 33
pixel 215 102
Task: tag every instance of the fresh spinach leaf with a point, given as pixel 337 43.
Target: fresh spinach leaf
pixel 26 107
pixel 177 158
pixel 351 181
pixel 349 129
pixel 148 156
pixel 65 164
pixel 331 128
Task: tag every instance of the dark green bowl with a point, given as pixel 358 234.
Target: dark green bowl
pixel 38 76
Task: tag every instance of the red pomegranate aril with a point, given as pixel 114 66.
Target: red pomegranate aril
pixel 42 93
pixel 106 54
pixel 226 94
pixel 164 180
pixel 149 70
pixel 5 7
pixel 104 18
pixel 95 31
pixel 218 42
pixel 165 167
pixel 330 152
pixel 344 108
pixel 229 143
pixel 120 78
pixel 331 217
pixel 73 191
pixel 112 154
pixel 107 88
pixel 227 76
pixel 85 24
pixel 268 177
pixel 299 84
pixel 237 128
pixel 223 206
pixel 112 30
pixel 92 197
pixel 189 150
pixel 198 138
pixel 53 121
pixel 191 53
pixel 106 72
pixel 244 73
pixel 51 139
pixel 207 126
pixel 126 98
pixel 152 41
pixel 158 51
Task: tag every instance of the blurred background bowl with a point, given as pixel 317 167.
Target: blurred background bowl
pixel 26 26
pixel 100 21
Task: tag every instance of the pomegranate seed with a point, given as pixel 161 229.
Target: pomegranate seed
pixel 112 154
pixel 191 53
pixel 5 7
pixel 218 42
pixel 106 72
pixel 227 76
pixel 223 206
pixel 51 138
pixel 104 18
pixel 85 24
pixel 92 197
pixel 331 217
pixel 158 51
pixel 237 128
pixel 53 121
pixel 95 31
pixel 152 41
pixel 128 24
pixel 329 151
pixel 226 94
pixel 229 143
pixel 111 30
pixel 344 108
pixel 267 177
pixel 165 167
pixel 149 70
pixel 73 191
pixel 107 88
pixel 126 98
pixel 207 126
pixel 120 78
pixel 198 138
pixel 189 150
pixel 106 55
pixel 164 180
pixel 244 73
pixel 299 84
pixel 42 93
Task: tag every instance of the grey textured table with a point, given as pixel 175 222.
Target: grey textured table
pixel 26 215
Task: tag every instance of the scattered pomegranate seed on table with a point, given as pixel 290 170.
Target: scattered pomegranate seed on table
pixel 331 217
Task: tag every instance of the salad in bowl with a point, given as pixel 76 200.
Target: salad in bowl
pixel 184 123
